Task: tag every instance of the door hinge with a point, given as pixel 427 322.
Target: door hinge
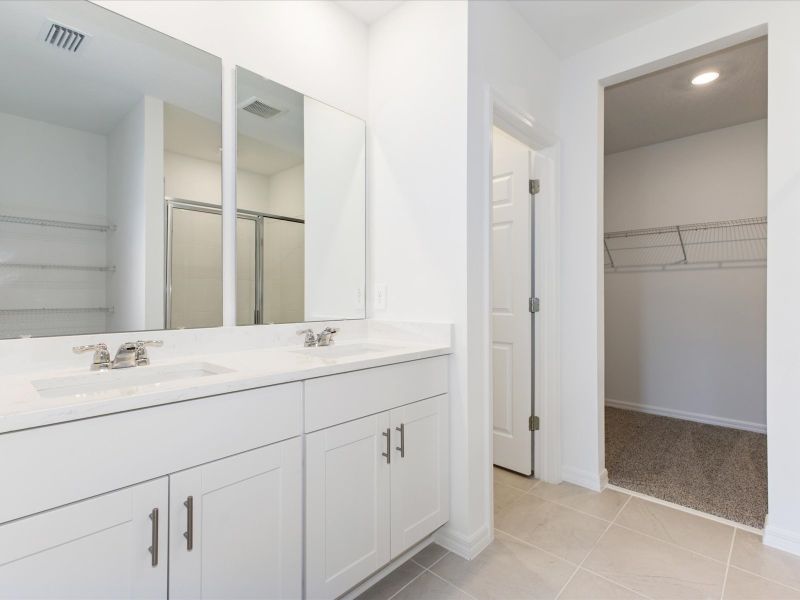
pixel 533 423
pixel 533 305
pixel 533 186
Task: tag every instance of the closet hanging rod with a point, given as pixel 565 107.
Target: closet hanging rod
pixel 53 223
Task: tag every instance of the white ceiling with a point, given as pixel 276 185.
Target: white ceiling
pixel 270 145
pixel 368 11
pixel 570 26
pixel 665 105
pixel 95 87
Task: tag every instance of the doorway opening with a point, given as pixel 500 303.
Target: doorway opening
pixel 685 204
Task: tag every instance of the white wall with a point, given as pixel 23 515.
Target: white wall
pixel 190 178
pixel 417 188
pixel 51 172
pixel 689 342
pixel 511 66
pixel 428 217
pixel 314 47
pixel 126 212
pixel 697 30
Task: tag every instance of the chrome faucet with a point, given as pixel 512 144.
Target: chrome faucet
pixel 311 338
pixel 129 354
pixel 101 359
pixel 323 338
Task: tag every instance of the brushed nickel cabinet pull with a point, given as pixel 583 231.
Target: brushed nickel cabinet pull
pixel 189 533
pixel 402 446
pixel 153 549
pixel 388 454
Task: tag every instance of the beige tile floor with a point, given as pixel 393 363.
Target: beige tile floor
pixel 562 541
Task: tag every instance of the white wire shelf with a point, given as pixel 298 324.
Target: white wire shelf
pixel 36 311
pixel 53 223
pixel 58 267
pixel 738 242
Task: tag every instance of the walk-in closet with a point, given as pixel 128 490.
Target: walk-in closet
pixel 685 248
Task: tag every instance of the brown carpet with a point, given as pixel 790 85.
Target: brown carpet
pixel 713 469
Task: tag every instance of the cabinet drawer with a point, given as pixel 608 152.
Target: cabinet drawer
pixel 340 398
pixel 51 466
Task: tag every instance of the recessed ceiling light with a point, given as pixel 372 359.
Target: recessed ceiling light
pixel 704 78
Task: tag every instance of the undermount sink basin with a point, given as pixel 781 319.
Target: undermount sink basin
pixel 343 351
pixel 100 383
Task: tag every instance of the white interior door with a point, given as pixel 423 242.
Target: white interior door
pixel 512 331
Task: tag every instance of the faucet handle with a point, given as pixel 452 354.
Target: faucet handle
pixel 141 351
pixel 101 359
pixel 325 338
pixel 311 337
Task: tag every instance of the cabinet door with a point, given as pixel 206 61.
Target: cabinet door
pixel 96 548
pixel 420 471
pixel 236 526
pixel 347 504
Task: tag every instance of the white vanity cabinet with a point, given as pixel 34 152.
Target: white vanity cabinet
pixel 110 546
pixel 238 455
pixel 236 526
pixel 420 496
pixel 378 484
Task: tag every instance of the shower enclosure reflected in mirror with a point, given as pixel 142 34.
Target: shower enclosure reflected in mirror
pixel 301 195
pixel 97 115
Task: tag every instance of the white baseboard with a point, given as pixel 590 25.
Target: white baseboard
pixel 688 416
pixel 465 546
pixel 782 539
pixel 588 479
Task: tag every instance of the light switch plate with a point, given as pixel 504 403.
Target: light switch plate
pixel 381 290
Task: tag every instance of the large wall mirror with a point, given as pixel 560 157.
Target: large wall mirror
pixel 101 120
pixel 301 196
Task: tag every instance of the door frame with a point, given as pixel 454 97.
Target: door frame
pixel 545 272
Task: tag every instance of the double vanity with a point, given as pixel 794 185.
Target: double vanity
pixel 216 453
pixel 271 472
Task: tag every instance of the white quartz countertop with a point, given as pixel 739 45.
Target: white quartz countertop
pixel 22 405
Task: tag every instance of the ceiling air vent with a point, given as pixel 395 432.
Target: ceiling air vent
pixel 259 108
pixel 63 37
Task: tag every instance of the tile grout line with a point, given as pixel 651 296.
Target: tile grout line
pixel 418 575
pixel 453 584
pixel 619 512
pixel 728 565
pixel 601 576
pixel 592 549
pixel 532 545
pixel 775 581
pixel 429 569
pixel 671 544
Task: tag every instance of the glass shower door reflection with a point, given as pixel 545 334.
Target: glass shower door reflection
pixel 246 271
pixel 283 271
pixel 195 268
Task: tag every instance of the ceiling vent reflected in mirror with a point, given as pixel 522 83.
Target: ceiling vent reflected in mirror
pixel 63 37
pixel 259 108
